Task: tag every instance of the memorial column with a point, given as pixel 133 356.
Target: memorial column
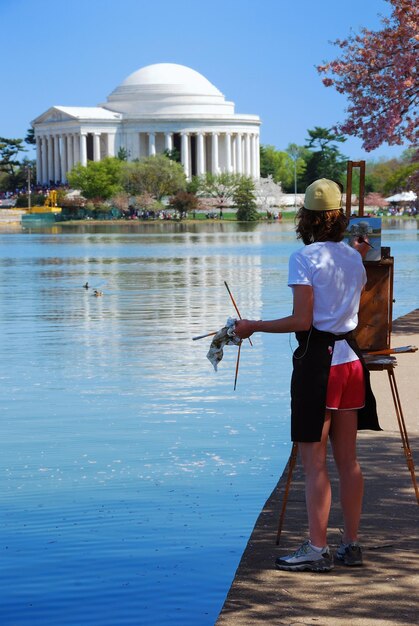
pixel 110 148
pixel 44 160
pixel 215 161
pixel 254 157
pixel 76 148
pixel 228 152
pixel 200 164
pixel 57 167
pixel 50 159
pixel 64 167
pixel 69 152
pixel 168 141
pixel 239 154
pixel 83 149
pixel 234 153
pixel 247 153
pixel 184 156
pixel 96 146
pixel 38 160
pixel 152 144
pixel 257 157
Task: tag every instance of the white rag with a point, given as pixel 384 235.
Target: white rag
pixel 224 337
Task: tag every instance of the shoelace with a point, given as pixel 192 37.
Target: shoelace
pixel 302 550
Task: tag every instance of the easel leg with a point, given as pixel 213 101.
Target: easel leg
pixel 402 428
pixel 291 464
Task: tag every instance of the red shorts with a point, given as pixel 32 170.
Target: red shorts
pixel 346 387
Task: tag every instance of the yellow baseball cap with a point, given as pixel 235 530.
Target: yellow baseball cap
pixel 323 195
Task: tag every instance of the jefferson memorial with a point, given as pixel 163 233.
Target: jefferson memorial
pixel 159 107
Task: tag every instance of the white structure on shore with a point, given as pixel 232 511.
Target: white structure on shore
pixel 159 107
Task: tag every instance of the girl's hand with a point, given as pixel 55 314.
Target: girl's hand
pixel 362 245
pixel 244 329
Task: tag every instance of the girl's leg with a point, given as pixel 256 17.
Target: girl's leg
pixel 317 485
pixel 343 433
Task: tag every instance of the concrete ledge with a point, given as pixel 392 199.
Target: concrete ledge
pixel 384 592
pixel 10 216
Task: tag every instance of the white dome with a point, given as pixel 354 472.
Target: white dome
pixel 167 89
pixel 167 77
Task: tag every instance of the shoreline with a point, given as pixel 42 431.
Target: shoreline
pixel 384 591
pixel 16 223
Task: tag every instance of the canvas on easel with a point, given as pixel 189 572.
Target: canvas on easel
pixel 368 228
pixel 375 315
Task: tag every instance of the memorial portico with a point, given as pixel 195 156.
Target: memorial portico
pixel 162 107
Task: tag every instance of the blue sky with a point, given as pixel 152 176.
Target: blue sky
pixel 260 54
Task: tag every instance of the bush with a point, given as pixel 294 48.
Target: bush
pixel 37 199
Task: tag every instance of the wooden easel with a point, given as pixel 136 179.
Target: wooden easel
pixel 373 335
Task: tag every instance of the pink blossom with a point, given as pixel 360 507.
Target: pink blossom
pixel 378 73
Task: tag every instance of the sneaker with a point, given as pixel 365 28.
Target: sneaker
pixel 306 558
pixel 349 553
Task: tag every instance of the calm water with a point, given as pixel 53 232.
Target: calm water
pixel 132 474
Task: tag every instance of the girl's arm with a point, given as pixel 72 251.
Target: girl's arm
pixel 300 319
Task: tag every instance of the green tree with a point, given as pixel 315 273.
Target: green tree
pixel 245 201
pixel 277 164
pixel 157 175
pixel 297 154
pixel 30 136
pixel 10 149
pixel 194 185
pixel 173 154
pixel 98 179
pixel 376 175
pixel 25 173
pixel 325 160
pixel 122 154
pixel 400 179
pixel 386 176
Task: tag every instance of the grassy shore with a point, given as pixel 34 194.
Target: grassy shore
pixel 287 216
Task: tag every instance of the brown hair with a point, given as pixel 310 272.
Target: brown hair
pixel 320 225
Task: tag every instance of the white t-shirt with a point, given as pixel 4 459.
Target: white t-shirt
pixel 337 275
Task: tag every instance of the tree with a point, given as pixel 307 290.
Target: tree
pixel 145 202
pixel 277 164
pixel 245 201
pixel 122 154
pixel 400 179
pixel 411 155
pixel 376 175
pixel 9 162
pixel 26 173
pixel 173 154
pixel 378 73
pixel 98 179
pixel 184 202
pixel 375 200
pixel 156 175
pixel 30 136
pixel 194 185
pixel 220 187
pixel 325 161
pixel 297 153
pixel 120 201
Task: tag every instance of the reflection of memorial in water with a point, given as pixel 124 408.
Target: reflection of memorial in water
pixel 159 291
